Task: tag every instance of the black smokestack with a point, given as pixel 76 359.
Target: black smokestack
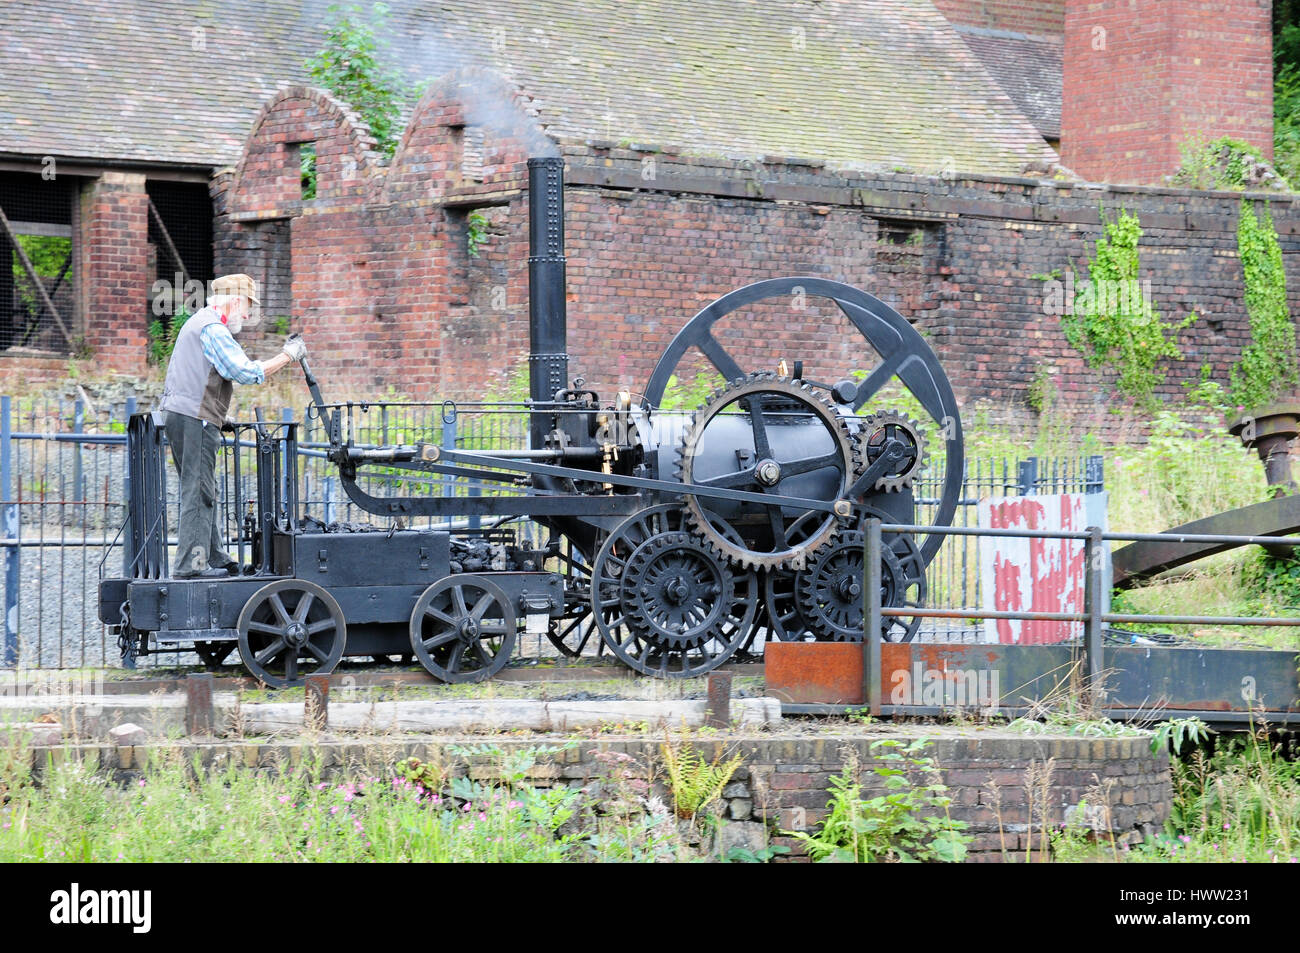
pixel 548 360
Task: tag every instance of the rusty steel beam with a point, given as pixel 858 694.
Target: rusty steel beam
pixel 1139 561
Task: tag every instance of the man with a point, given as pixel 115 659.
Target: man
pixel 205 365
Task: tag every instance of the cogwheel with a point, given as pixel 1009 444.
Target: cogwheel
pixel 877 430
pixel 776 436
pixel 828 594
pixel 677 593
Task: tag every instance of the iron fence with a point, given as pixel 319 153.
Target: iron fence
pixel 63 495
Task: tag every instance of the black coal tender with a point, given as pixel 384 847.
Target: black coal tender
pixel 673 541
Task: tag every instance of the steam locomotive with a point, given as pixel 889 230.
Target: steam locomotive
pixel 674 542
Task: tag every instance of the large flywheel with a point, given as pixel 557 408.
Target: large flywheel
pixel 893 353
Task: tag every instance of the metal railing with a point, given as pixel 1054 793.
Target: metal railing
pixel 63 504
pixel 1093 614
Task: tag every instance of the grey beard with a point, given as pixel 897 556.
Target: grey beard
pixel 234 325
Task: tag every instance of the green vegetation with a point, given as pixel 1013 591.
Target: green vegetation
pixel 691 394
pixel 349 66
pixel 183 812
pixel 476 232
pixel 48 255
pixel 1223 164
pixel 910 822
pixel 307 170
pixel 1238 804
pixel 162 336
pixel 1113 323
pixel 1286 88
pixel 1267 369
pixel 695 783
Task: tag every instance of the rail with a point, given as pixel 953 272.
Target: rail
pixel 1093 614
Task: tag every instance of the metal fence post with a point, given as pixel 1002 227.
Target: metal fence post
pixel 1027 476
pixel 448 443
pixel 9 517
pixel 1094 474
pixel 78 470
pixel 128 541
pixel 871 657
pixel 1094 601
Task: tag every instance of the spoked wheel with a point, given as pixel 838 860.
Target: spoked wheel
pixel 463 629
pixel 666 604
pixel 829 595
pixel 212 654
pixel 576 632
pixel 291 629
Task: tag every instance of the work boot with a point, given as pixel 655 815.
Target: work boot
pixel 212 572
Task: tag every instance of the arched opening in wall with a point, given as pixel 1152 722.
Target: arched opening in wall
pixel 39 255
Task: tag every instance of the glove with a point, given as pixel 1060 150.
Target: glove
pixel 228 426
pixel 294 348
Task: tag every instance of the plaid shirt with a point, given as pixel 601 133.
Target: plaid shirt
pixel 220 347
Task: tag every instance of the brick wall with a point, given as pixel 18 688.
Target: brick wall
pixel 117 271
pixel 389 297
pixel 1040 17
pixel 1004 787
pixel 1143 76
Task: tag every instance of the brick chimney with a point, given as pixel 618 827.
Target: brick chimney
pixel 1142 76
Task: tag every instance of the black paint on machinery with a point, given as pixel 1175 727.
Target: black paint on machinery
pixel 675 541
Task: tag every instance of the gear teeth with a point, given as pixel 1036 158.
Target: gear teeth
pixel 893 483
pixel 724 541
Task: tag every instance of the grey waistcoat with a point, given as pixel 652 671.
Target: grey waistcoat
pixel 193 386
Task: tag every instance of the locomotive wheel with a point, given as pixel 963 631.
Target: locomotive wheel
pixel 765 400
pixel 665 604
pixel 829 594
pixel 463 629
pixel 212 654
pixel 575 631
pixel 291 629
pixel 903 356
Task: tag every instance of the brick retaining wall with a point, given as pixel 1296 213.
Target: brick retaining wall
pixel 783 781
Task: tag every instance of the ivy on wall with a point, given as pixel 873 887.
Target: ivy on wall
pixel 1267 368
pixel 1113 320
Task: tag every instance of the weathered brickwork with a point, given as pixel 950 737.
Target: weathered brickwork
pixel 1009 790
pixel 385 288
pixel 1040 17
pixel 1143 76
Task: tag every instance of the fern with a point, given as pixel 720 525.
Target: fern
pixel 695 783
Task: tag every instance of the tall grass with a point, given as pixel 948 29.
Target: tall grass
pixel 176 811
pixel 1241 804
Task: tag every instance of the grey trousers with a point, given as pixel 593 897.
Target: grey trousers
pixel 194 446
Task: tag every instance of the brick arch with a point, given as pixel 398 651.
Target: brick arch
pixel 348 169
pixel 430 157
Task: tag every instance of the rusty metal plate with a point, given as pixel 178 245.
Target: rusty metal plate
pixel 800 673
